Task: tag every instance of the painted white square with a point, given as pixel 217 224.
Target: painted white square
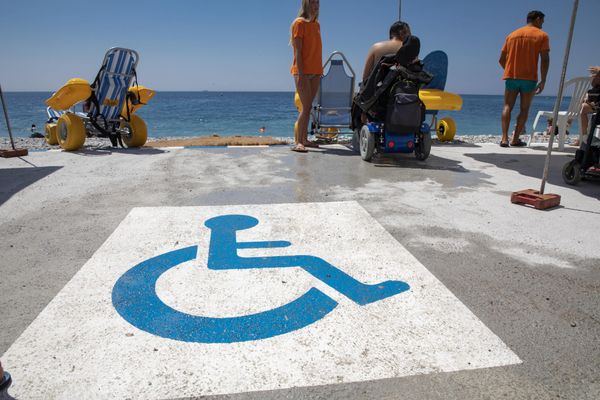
pixel 79 347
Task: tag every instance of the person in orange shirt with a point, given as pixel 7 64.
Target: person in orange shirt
pixel 307 67
pixel 521 52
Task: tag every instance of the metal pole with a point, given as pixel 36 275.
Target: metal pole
pixel 559 97
pixel 399 10
pixel 12 142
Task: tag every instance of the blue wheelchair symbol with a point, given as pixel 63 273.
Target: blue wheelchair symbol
pixel 135 299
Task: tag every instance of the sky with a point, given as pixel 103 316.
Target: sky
pixel 241 45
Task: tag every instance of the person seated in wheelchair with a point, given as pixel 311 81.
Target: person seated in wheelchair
pixel 394 73
pixel 591 102
pixel 399 32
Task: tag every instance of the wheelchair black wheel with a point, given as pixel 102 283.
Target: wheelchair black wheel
pixel 571 173
pixel 356 141
pixel 367 143
pixel 423 147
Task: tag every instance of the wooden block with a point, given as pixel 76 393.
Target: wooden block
pixel 534 198
pixel 13 153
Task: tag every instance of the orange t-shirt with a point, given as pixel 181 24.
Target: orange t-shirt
pixel 522 48
pixel 312 48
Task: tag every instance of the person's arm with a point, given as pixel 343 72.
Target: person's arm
pixel 503 53
pixel 298 50
pixel 545 65
pixel 297 39
pixel 299 61
pixel 369 64
pixel 502 60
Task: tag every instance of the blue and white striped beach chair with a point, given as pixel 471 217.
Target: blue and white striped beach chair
pixel 107 112
pixel 53 115
pixel 112 82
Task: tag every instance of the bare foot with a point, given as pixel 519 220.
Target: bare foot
pixel 299 148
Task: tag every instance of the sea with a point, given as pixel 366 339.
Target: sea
pixel 181 114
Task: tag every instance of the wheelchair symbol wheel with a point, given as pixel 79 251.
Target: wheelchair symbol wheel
pixel 135 299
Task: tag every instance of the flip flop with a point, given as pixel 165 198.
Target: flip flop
pixel 299 149
pixel 520 143
pixel 503 144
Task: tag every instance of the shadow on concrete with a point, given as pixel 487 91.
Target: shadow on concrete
pixel 532 165
pixel 410 162
pixel 5 396
pixel 13 180
pixel 437 143
pixel 401 160
pixel 107 151
pixel 337 151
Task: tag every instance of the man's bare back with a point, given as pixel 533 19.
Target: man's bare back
pixel 377 51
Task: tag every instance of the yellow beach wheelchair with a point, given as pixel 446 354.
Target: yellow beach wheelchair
pixel 436 99
pixel 109 105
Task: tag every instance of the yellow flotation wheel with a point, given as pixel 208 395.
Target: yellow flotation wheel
pixel 134 133
pixel 329 135
pixel 446 129
pixel 70 132
pixel 297 102
pixel 50 134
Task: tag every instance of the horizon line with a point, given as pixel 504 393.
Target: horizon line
pixel 253 91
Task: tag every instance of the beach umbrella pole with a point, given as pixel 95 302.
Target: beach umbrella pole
pixel 14 152
pixel 539 199
pixel 559 97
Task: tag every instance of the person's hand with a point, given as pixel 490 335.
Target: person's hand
pixel 540 87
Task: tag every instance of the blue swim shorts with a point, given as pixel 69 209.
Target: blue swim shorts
pixel 520 85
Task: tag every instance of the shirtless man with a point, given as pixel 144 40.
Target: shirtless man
pixel 399 31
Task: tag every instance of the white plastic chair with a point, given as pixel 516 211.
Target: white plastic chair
pixel 580 87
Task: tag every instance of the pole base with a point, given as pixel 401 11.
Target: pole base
pixel 534 198
pixel 13 153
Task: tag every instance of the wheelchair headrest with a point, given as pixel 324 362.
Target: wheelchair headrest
pixel 409 51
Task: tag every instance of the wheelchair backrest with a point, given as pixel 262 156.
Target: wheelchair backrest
pixel 335 95
pixel 110 86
